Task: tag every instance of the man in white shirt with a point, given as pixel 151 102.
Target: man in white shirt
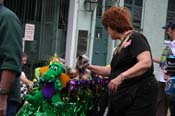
pixel 169 50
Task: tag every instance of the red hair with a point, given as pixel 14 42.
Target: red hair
pixel 117 18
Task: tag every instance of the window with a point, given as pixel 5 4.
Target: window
pixel 171 10
pixel 26 10
pixel 135 7
pixel 82 42
pixel 108 4
pixel 63 14
pixel 99 7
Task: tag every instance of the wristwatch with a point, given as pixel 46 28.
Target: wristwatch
pixel 4 91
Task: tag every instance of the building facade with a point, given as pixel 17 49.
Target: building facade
pixel 69 28
pixel 148 17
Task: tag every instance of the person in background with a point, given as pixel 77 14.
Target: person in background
pixel 169 50
pixel 24 78
pixel 133 88
pixel 10 61
pixel 26 84
pixel 162 100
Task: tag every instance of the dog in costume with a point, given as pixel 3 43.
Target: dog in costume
pixel 80 71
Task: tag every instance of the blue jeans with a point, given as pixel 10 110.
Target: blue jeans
pixel 12 108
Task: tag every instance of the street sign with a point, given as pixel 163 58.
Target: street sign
pixel 29 32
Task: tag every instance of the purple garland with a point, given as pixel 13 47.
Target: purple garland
pixel 95 82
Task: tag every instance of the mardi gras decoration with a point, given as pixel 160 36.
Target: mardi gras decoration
pixel 51 86
pixel 55 94
pixel 78 98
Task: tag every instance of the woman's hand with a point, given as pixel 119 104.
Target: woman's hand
pixel 114 83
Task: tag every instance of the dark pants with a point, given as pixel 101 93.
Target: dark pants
pixel 136 100
pixel 172 104
pixel 162 101
pixel 12 108
pixel 101 103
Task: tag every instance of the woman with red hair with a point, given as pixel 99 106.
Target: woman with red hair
pixel 132 88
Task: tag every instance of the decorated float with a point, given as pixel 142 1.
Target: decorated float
pixel 57 93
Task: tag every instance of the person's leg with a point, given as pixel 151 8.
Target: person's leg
pixel 162 103
pixel 166 103
pixel 12 108
pixel 172 105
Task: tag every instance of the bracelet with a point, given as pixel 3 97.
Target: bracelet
pixel 4 91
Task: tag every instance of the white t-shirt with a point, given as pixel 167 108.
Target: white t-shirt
pixel 172 46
